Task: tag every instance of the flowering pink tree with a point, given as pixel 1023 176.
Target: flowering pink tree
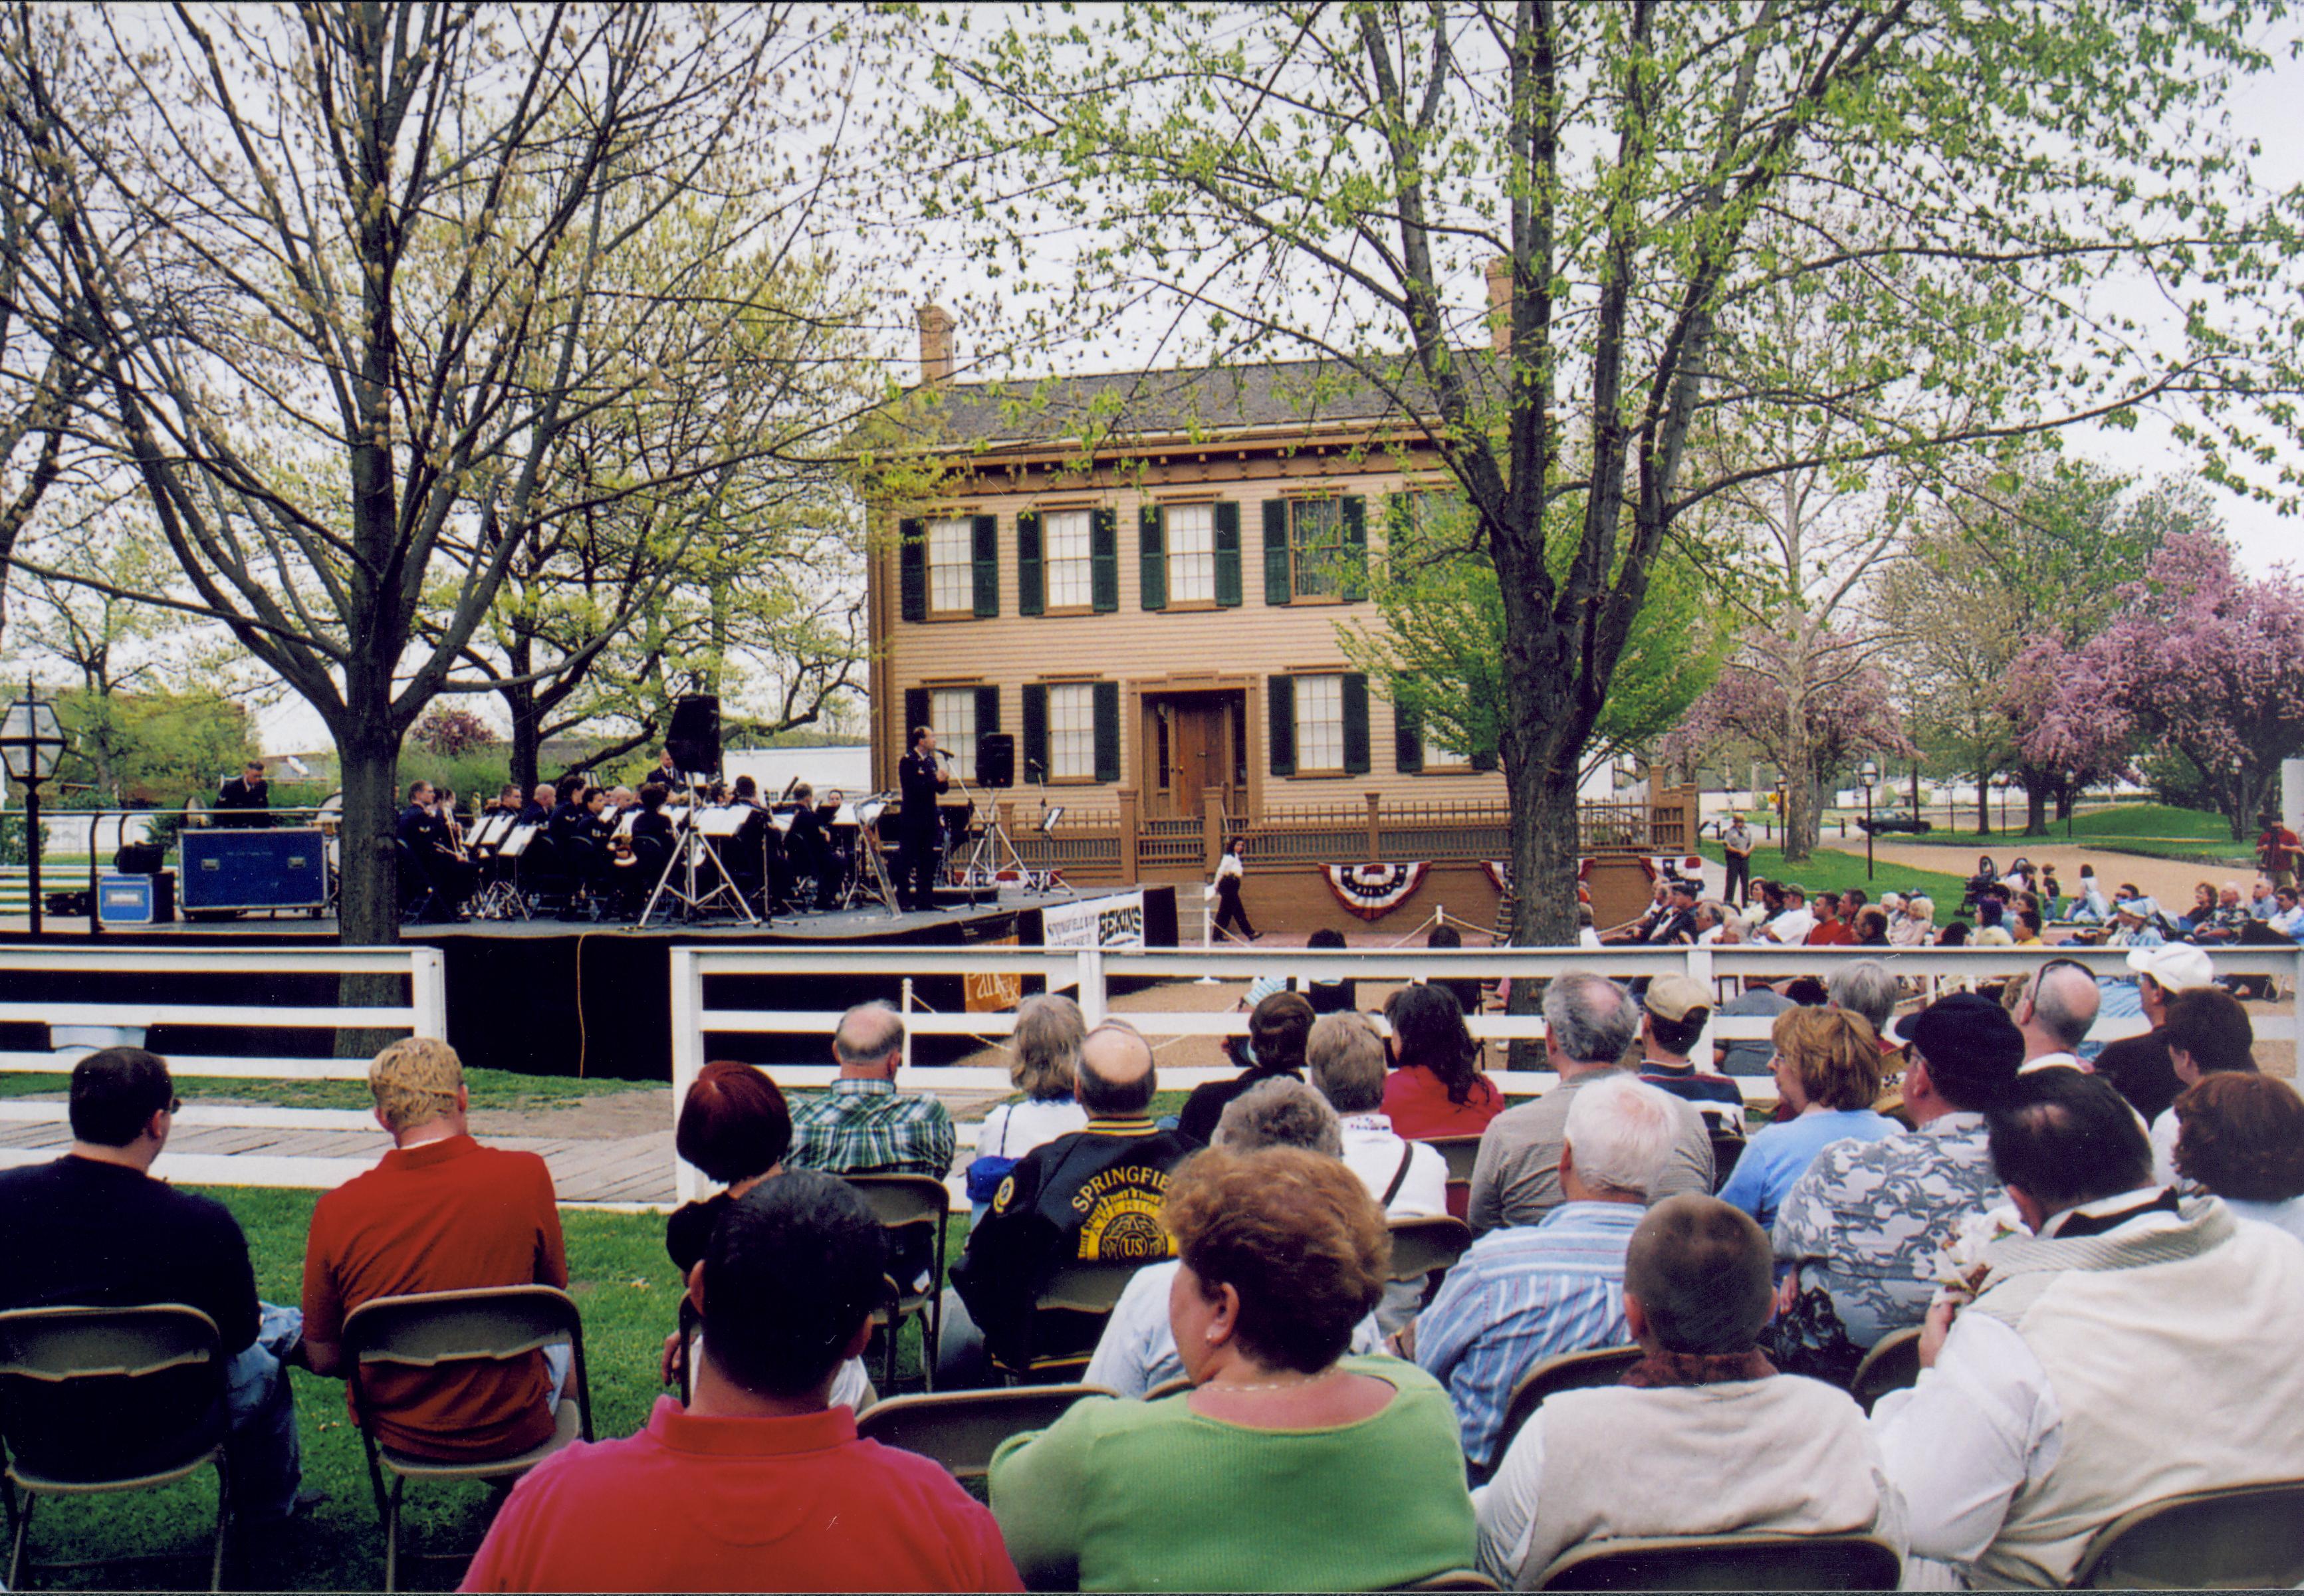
pixel 2073 731
pixel 1811 700
pixel 2205 662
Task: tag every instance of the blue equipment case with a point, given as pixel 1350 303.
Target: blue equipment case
pixel 254 870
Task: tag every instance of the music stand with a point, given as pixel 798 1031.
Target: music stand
pixel 691 847
pixel 993 848
pixel 869 881
pixel 499 899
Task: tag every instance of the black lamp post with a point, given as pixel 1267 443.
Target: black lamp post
pixel 1783 814
pixel 31 745
pixel 1867 777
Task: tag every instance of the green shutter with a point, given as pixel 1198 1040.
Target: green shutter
pixel 1356 724
pixel 1395 537
pixel 1275 551
pixel 916 713
pixel 1152 552
pixel 1280 693
pixel 1103 561
pixel 1106 700
pixel 1034 752
pixel 984 537
pixel 1407 736
pixel 1228 553
pixel 988 710
pixel 1354 586
pixel 1031 583
pixel 1484 761
pixel 911 572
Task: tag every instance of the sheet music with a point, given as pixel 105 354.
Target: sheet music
pixel 845 815
pixel 517 843
pixel 490 832
pixel 624 822
pixel 725 820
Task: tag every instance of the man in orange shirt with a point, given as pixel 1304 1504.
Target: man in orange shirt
pixel 1830 929
pixel 440 1212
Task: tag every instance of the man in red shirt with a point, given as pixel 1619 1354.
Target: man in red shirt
pixel 2275 853
pixel 440 1213
pixel 759 1483
pixel 1831 930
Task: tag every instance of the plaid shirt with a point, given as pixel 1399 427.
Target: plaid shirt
pixel 864 1127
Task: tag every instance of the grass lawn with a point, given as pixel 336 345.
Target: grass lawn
pixel 2156 830
pixel 629 1296
pixel 490 1089
pixel 1827 870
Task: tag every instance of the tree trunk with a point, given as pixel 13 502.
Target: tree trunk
pixel 369 755
pixel 2064 796
pixel 2035 804
pixel 1802 824
pixel 1983 804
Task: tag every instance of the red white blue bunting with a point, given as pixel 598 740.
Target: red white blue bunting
pixel 1372 891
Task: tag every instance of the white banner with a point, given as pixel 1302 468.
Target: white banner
pixel 1115 921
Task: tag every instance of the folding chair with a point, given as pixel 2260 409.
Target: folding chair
pixel 1426 1249
pixel 81 1365
pixel 426 1331
pixel 2238 1537
pixel 1569 1371
pixel 1893 1364
pixel 1455 1579
pixel 1169 1387
pixel 1461 1152
pixel 1738 1562
pixel 961 1429
pixel 905 1203
pixel 1076 1289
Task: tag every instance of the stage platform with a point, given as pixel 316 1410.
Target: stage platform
pixel 550 996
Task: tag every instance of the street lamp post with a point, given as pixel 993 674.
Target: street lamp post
pixel 31 745
pixel 1867 777
pixel 1784 815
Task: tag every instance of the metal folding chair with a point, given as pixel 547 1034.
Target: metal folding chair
pixel 2240 1537
pixel 961 1429
pixel 427 1331
pixel 63 1357
pixel 905 1203
pixel 1569 1371
pixel 1893 1364
pixel 1741 1562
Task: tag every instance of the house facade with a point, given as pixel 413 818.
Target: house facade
pixel 1140 578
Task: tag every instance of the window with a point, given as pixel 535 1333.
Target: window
pixel 1316 547
pixel 1071 732
pixel 1068 547
pixel 951 710
pixel 1192 554
pixel 1439 756
pixel 1319 723
pixel 951 550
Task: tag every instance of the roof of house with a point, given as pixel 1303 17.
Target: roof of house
pixel 1191 401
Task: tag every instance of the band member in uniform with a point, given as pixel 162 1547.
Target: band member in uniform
pixel 538 807
pixel 921 777
pixel 808 852
pixel 665 771
pixel 425 831
pixel 246 797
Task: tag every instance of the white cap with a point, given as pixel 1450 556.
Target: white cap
pixel 2177 966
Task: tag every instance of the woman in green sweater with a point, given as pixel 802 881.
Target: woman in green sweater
pixel 1289 1466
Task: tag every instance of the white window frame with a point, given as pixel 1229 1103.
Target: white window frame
pixel 1333 549
pixel 951 710
pixel 950 577
pixel 1320 725
pixel 1072 731
pixel 1192 542
pixel 1067 580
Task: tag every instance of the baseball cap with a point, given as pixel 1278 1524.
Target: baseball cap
pixel 2143 908
pixel 1671 997
pixel 1973 1047
pixel 2176 965
pixel 1690 888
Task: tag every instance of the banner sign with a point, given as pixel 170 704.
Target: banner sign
pixel 1115 921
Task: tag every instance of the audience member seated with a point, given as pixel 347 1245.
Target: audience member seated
pixel 760 1483
pixel 1590 1022
pixel 2207 1032
pixel 1136 1352
pixel 1466 989
pixel 2054 1009
pixel 1871 927
pixel 1749 1058
pixel 1290 1465
pixel 1043 1054
pixel 2140 1066
pixel 1991 925
pixel 1866 989
pixel 1436 1087
pixel 735 1127
pixel 1091 1197
pixel 1527 1292
pixel 1792 926
pixel 1828 1072
pixel 93 1229
pixel 1702 1437
pixel 1674 1012
pixel 2242 1138
pixel 1829 930
pixel 1345 1057
pixel 2129 1348
pixel 1329 995
pixel 1858 1235
pixel 1277 1030
pixel 439 1212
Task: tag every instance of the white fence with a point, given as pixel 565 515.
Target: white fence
pixel 130 969
pixel 1090 973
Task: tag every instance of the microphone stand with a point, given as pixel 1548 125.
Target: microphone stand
pixel 993 846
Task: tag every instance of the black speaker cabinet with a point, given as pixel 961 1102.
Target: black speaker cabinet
pixel 996 759
pixel 695 735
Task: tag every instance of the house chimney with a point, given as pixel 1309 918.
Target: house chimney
pixel 935 344
pixel 1500 291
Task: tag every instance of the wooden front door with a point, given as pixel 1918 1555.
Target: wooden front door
pixel 1192 737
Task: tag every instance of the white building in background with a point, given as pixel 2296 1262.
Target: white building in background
pixel 848 766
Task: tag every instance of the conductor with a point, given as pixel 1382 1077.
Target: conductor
pixel 246 796
pixel 921 776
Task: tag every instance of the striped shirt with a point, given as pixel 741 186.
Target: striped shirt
pixel 1519 1296
pixel 866 1127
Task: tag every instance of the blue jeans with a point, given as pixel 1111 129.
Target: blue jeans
pixel 261 1447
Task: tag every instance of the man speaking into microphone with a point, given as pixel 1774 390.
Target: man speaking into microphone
pixel 921 777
